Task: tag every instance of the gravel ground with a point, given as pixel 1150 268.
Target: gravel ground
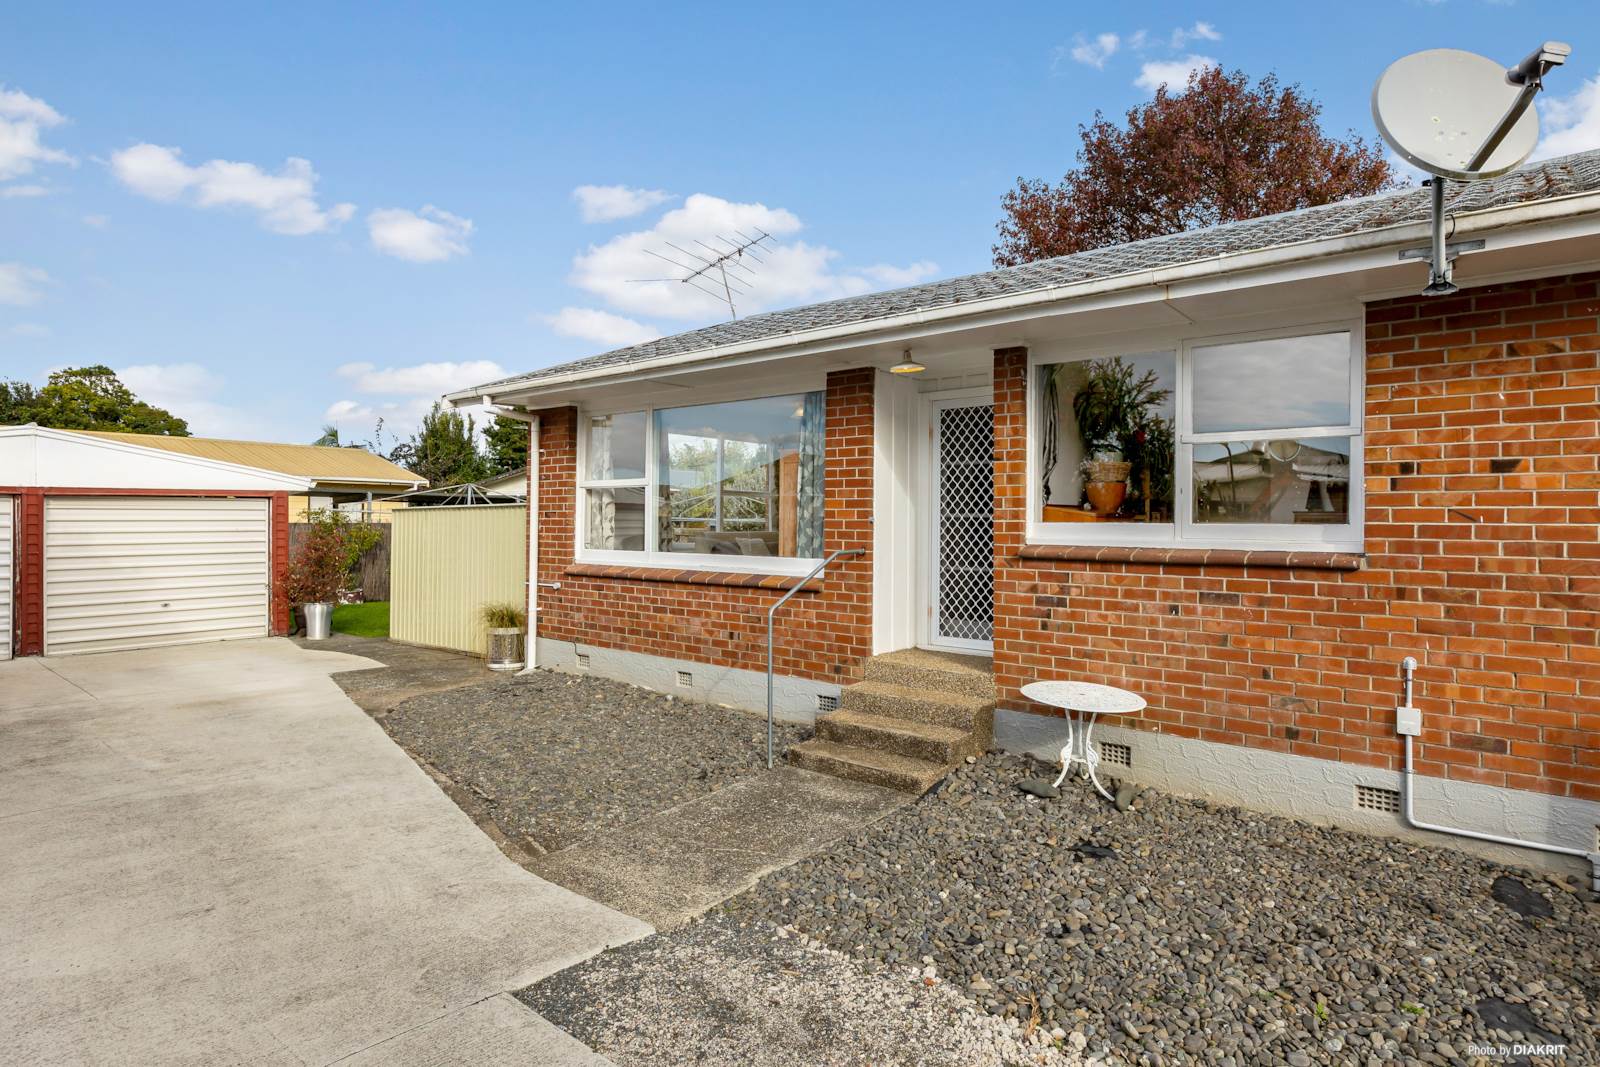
pixel 555 758
pixel 1208 934
pixel 716 993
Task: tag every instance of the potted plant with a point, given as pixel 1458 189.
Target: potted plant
pixel 316 577
pixel 505 623
pixel 1113 412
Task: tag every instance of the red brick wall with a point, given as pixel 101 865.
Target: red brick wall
pixel 1482 560
pixel 823 635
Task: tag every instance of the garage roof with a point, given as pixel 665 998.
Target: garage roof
pixel 331 469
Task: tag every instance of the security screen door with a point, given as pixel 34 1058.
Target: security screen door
pixel 962 615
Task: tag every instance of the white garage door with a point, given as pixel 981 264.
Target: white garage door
pixel 7 510
pixel 135 572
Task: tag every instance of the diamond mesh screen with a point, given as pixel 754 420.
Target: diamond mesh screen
pixel 966 523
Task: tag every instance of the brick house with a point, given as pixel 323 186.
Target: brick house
pixel 1323 473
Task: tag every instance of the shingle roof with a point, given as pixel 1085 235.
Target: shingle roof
pixel 1579 173
pixel 328 467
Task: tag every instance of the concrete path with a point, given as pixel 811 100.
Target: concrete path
pixel 670 867
pixel 213 857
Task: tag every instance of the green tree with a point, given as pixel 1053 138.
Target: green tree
pixel 445 449
pixel 507 442
pixel 17 401
pixel 93 398
pixel 329 438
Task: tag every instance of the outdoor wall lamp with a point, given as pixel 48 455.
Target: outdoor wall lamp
pixel 907 365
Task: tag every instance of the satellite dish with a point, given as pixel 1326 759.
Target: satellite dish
pixel 1463 116
pixel 1437 108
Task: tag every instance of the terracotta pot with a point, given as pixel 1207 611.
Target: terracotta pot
pixel 1106 497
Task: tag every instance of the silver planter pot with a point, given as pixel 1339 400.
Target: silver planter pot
pixel 319 621
pixel 505 649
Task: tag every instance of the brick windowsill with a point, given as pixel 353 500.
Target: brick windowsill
pixel 738 579
pixel 1198 557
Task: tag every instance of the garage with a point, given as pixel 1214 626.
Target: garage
pixel 139 572
pixel 108 545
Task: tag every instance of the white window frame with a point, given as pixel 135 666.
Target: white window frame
pixel 651 556
pixel 1184 531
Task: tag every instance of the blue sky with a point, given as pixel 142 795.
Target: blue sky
pixel 329 213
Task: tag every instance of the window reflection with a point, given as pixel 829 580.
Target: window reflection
pixel 1273 482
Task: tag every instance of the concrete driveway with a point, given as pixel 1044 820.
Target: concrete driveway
pixel 211 856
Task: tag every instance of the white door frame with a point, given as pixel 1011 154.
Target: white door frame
pixel 929 463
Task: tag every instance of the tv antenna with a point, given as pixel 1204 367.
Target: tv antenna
pixel 720 270
pixel 1463 116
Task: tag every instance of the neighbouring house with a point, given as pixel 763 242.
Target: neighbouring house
pixel 1321 472
pixel 119 541
pixel 511 483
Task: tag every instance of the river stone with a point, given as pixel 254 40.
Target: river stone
pixel 1039 787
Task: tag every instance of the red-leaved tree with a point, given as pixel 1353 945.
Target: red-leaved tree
pixel 1219 150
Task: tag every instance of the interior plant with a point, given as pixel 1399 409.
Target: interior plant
pixel 1115 410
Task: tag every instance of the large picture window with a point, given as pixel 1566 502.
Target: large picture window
pixel 1250 441
pixel 730 484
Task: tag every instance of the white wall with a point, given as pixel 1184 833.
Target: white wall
pixel 31 456
pixel 895 491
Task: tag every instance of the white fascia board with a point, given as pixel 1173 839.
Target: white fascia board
pixel 34 456
pixel 1295 261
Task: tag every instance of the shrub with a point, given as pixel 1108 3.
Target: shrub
pixel 318 570
pixel 503 616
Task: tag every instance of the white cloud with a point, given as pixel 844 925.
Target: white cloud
pixel 426 236
pixel 192 392
pixel 1200 31
pixel 893 277
pixel 16 192
pixel 624 273
pixel 1094 53
pixel 31 329
pixel 607 203
pixel 99 222
pixel 22 120
pixel 423 379
pixel 601 327
pixel 401 418
pixel 1572 122
pixel 1173 73
pixel 21 285
pixel 286 201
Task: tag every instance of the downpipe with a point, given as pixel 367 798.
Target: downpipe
pixel 1408 723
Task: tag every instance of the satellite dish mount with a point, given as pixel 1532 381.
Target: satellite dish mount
pixel 1463 116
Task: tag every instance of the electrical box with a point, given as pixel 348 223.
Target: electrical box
pixel 1407 721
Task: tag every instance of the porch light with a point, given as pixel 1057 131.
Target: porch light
pixel 907 365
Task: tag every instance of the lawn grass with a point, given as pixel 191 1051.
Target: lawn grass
pixel 362 620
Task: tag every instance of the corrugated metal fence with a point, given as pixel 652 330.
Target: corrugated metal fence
pixel 446 563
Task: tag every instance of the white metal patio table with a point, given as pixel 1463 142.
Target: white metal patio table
pixel 1083 702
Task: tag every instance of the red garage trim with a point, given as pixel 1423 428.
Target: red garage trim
pixel 28 524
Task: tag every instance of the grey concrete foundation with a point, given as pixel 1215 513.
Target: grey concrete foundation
pixel 1323 791
pixel 794 700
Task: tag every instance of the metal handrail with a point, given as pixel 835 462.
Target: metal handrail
pixel 772 611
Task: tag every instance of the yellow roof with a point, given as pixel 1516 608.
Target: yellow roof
pixel 330 468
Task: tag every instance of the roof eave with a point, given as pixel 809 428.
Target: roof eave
pixel 1283 255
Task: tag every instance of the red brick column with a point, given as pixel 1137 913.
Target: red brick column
pixel 28 527
pixel 279 619
pixel 844 637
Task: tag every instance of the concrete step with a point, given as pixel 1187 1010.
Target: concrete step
pixel 900 737
pixel 934 707
pixel 902 773
pixel 919 668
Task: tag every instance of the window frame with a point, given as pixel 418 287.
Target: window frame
pixel 1184 531
pixel 652 557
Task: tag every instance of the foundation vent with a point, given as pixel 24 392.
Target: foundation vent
pixel 1116 752
pixel 1376 798
pixel 826 703
pixel 583 661
pixel 685 680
